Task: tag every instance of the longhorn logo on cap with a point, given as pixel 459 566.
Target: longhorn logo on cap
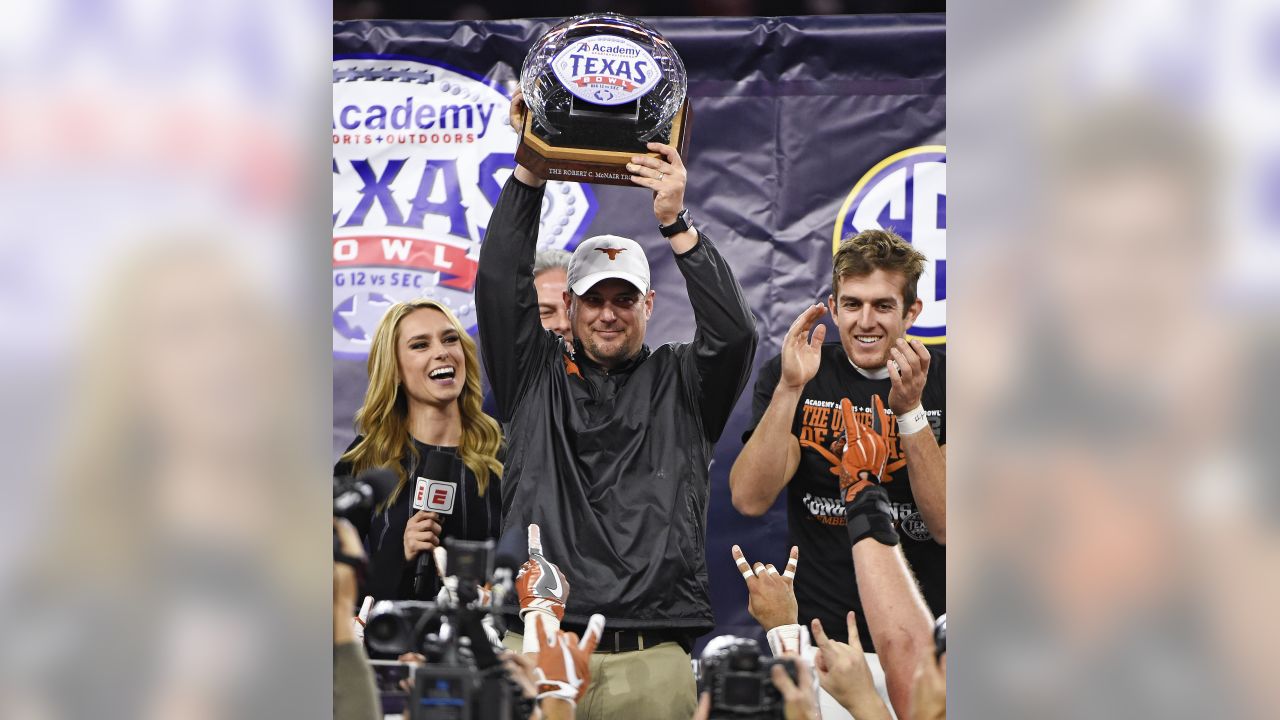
pixel 611 252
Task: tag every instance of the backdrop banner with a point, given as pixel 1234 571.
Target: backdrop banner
pixel 804 129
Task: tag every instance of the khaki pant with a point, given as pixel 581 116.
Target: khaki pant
pixel 651 684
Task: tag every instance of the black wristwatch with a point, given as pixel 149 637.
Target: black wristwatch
pixel 680 225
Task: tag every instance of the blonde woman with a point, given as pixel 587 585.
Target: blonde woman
pixel 423 401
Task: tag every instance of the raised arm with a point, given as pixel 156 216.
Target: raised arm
pixel 506 301
pixel 724 344
pixel 516 115
pixel 900 624
pixel 901 627
pixel 771 455
pixel 926 461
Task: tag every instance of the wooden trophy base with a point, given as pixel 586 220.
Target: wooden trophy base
pixel 602 167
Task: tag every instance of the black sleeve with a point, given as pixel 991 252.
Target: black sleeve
pixel 390 575
pixel 391 578
pixel 766 383
pixel 506 301
pixel 724 344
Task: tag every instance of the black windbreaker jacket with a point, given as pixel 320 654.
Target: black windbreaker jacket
pixel 612 465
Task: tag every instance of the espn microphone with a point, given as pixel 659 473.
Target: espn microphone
pixel 435 491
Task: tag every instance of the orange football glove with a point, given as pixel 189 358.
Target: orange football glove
pixel 866 453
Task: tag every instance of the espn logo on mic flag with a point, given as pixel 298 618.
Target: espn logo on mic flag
pixel 434 496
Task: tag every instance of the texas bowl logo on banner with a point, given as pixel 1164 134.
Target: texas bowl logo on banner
pixel 907 193
pixel 606 70
pixel 420 153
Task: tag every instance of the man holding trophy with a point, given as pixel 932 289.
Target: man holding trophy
pixel 609 442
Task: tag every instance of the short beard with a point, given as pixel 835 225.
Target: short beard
pixel 617 358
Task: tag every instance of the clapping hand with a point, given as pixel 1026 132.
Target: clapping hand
pixel 802 354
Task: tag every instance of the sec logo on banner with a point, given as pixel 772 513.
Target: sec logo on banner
pixel 420 154
pixel 907 193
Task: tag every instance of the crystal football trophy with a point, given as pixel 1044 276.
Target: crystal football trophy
pixel 598 87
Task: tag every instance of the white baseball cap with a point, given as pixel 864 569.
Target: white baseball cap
pixel 608 256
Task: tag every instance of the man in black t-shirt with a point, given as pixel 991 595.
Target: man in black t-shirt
pixel 797 436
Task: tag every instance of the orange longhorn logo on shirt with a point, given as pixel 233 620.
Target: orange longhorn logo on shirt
pixel 571 367
pixel 834 459
pixel 822 430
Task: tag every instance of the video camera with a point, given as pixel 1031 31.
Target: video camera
pixel 740 681
pixel 355 497
pixel 462 678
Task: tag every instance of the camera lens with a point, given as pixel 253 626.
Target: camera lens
pixel 386 632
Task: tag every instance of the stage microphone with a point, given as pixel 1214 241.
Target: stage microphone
pixel 435 491
pixel 358 496
pixel 382 480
